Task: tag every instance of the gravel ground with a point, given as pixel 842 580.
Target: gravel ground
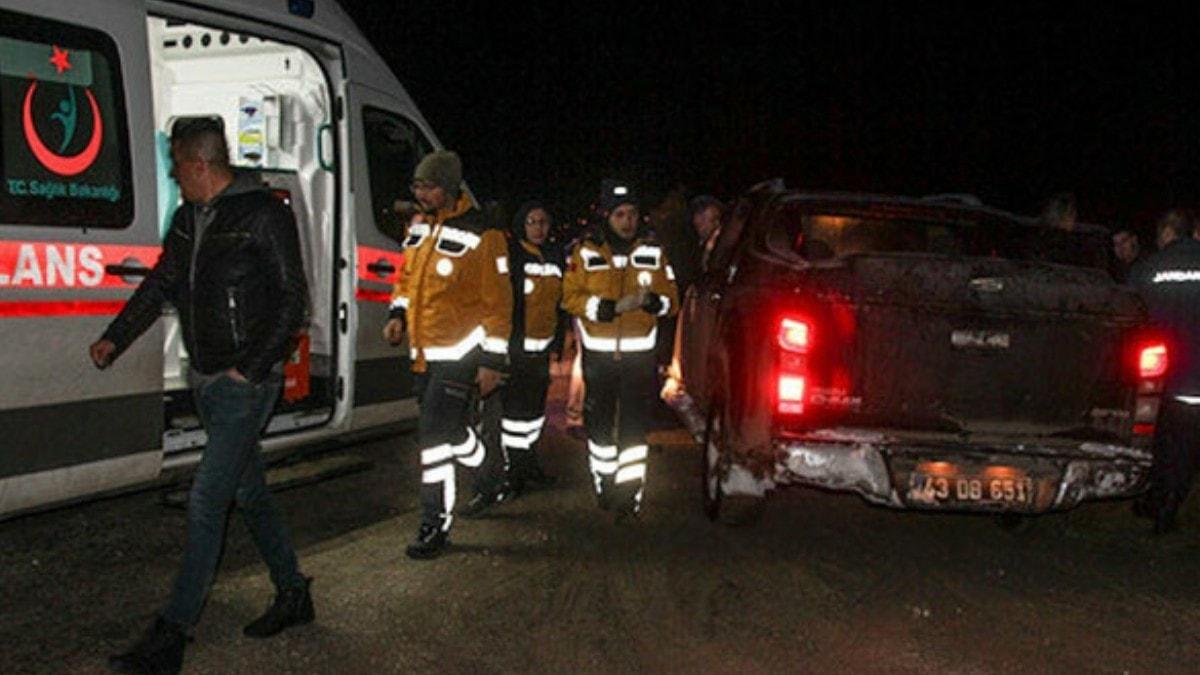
pixel 550 584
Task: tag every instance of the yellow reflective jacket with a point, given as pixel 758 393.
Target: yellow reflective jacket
pixel 537 289
pixel 453 291
pixel 597 278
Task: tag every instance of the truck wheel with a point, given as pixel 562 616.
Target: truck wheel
pixel 718 506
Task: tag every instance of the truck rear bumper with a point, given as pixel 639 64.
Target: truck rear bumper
pixel 959 477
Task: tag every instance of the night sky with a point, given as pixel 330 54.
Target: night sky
pixel 1009 101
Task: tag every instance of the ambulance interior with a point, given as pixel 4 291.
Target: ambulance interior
pixel 274 101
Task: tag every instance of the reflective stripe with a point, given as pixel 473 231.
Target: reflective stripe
pixel 646 257
pixel 438 474
pixel 443 474
pixel 399 302
pixel 495 345
pixel 468 239
pixel 536 345
pixel 512 441
pixel 1189 400
pixel 542 270
pixel 419 229
pixel 502 264
pixel 670 273
pixel 619 261
pixel 453 352
pixel 592 260
pixel 666 305
pixel 635 454
pixel 476 458
pixel 602 468
pixel 593 306
pixel 467 445
pixel 602 451
pixel 601 344
pixel 631 473
pixel 522 426
pixel 1176 276
pixel 436 454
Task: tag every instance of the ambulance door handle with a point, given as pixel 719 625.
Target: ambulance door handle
pixel 381 268
pixel 128 273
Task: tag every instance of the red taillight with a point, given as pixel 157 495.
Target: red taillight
pixel 794 335
pixel 794 338
pixel 1152 361
pixel 791 394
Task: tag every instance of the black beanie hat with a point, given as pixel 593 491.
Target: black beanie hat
pixel 614 193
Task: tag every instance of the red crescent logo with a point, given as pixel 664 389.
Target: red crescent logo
pixel 63 166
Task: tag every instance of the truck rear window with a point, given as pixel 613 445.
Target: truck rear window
pixel 824 235
pixel 63 135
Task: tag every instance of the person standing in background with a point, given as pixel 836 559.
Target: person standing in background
pixel 1169 282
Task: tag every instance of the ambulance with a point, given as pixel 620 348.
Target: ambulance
pixel 88 92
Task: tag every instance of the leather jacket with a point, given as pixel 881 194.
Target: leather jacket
pixel 241 296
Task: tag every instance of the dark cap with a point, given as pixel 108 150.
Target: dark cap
pixel 614 193
pixel 443 168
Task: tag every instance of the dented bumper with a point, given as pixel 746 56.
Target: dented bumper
pixel 993 476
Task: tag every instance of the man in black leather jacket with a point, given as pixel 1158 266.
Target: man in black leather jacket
pixel 231 265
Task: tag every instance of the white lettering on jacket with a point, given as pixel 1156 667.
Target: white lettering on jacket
pixel 1176 276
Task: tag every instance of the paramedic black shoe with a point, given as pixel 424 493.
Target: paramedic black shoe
pixel 159 651
pixel 429 544
pixel 510 490
pixel 292 607
pixel 627 514
pixel 479 503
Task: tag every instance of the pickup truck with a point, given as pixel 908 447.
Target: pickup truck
pixel 932 354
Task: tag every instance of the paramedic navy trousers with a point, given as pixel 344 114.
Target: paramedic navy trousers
pixel 446 393
pixel 524 399
pixel 618 397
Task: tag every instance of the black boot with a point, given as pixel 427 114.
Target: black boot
pixel 292 607
pixel 159 651
pixel 478 504
pixel 626 513
pixel 429 544
pixel 486 499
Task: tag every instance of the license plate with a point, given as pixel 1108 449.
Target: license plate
pixel 982 490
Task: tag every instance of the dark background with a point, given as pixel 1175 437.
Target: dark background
pixel 1009 101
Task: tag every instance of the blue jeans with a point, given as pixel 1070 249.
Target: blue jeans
pixel 231 470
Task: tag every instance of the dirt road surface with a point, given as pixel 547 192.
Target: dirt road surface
pixel 548 583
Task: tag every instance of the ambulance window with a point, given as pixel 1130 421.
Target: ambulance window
pixel 394 146
pixel 64 141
